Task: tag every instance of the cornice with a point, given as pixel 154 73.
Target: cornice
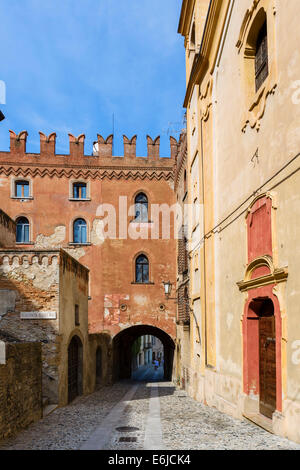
pixel 185 17
pixel 276 275
pixel 279 275
pixel 134 173
pixel 202 59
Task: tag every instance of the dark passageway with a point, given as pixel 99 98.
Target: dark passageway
pixel 123 359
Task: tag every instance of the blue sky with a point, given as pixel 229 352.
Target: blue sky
pixel 68 65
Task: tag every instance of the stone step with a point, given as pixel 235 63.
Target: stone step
pixel 261 421
pixel 49 409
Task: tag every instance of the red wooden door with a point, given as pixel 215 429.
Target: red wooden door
pixel 267 365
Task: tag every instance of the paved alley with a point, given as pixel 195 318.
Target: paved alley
pixel 143 414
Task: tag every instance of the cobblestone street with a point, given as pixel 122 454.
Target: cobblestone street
pixel 162 417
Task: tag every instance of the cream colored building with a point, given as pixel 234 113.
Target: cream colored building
pixel 243 110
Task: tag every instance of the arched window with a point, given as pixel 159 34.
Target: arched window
pixel 142 269
pixel 261 57
pixel 80 231
pixel 141 208
pixel 22 230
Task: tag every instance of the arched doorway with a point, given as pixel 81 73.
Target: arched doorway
pixel 262 364
pixel 74 368
pixel 98 365
pixel 122 350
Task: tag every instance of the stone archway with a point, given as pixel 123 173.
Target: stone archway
pixel 75 368
pixel 122 347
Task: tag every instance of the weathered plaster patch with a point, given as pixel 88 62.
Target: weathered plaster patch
pixel 76 253
pixel 230 367
pixel 141 299
pixel 171 184
pixel 43 276
pixel 97 236
pixel 54 240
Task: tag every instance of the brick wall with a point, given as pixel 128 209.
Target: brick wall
pixel 20 387
pixel 111 262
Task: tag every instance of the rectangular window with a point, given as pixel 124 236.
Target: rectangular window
pixel 22 189
pixel 77 322
pixel 79 191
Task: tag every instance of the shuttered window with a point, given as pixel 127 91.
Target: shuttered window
pixel 261 57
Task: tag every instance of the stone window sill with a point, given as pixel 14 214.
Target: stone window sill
pixel 24 243
pixel 75 199
pixel 143 283
pixel 22 199
pixel 80 244
pixel 140 222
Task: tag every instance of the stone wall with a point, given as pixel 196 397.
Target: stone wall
pixel 20 387
pixel 45 286
pixel 31 281
pixel 107 177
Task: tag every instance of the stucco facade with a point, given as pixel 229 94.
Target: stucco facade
pixel 243 147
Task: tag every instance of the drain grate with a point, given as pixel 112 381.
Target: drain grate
pixel 127 429
pixel 128 439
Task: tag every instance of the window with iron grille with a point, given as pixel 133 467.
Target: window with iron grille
pixel 261 57
pixel 182 259
pixel 183 305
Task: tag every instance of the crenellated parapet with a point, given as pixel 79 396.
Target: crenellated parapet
pixel 76 146
pixel 12 259
pixel 104 146
pixel 153 147
pixel 99 165
pixel 18 142
pixel 129 146
pixel 16 258
pixel 48 144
